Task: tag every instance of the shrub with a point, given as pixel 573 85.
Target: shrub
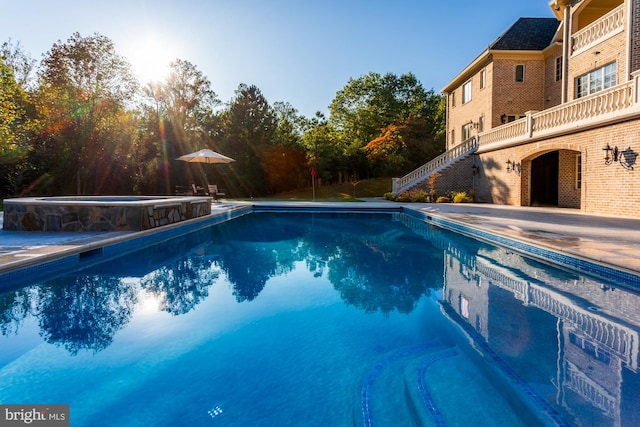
pixel 462 197
pixel 415 196
pixel 431 182
pixel 443 199
pixel 418 196
pixel 405 196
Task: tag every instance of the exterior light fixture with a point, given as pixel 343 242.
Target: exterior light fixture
pixel 612 155
pixel 475 170
pixel 513 167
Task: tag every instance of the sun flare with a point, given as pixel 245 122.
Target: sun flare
pixel 150 303
pixel 150 59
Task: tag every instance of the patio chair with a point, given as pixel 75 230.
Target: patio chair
pixel 214 192
pixel 198 191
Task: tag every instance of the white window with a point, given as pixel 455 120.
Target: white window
pixel 596 80
pixel 466 131
pixel 453 99
pixel 559 68
pixel 483 79
pixel 466 92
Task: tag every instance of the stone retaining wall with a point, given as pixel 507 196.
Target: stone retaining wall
pixel 100 214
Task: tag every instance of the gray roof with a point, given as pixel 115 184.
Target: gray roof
pixel 527 34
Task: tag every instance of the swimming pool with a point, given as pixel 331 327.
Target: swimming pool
pixel 323 319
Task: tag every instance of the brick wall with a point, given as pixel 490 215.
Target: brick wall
pixel 568 191
pixel 552 88
pixel 517 97
pixel 456 178
pixel 606 189
pixel 513 98
pixel 478 106
pixel 611 50
pixel 635 36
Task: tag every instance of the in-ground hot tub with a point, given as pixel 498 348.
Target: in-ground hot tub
pixel 100 213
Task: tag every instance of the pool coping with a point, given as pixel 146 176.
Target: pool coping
pixel 567 258
pixel 45 260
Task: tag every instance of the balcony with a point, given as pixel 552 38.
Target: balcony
pixel 609 25
pixel 608 106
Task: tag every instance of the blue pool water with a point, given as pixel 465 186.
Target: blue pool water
pixel 323 320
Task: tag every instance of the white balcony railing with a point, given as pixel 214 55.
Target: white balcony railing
pixel 613 104
pixel 605 27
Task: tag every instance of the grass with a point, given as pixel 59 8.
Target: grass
pixel 344 192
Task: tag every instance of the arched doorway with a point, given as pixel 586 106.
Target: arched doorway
pixel 544 179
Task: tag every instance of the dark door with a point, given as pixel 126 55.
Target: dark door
pixel 544 179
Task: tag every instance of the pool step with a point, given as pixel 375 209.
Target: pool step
pixel 433 384
pixel 447 388
pixel 381 396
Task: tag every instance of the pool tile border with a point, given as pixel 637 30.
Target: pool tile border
pixel 605 272
pixel 525 388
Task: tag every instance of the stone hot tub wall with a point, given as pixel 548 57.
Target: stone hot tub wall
pixel 100 213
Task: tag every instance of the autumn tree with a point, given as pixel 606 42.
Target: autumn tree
pixel 371 103
pixel 84 88
pixel 404 146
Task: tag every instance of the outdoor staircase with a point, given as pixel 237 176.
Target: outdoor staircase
pixel 437 165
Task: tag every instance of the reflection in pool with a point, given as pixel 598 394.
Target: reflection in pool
pixel 323 319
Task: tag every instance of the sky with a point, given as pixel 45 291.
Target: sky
pixel 296 51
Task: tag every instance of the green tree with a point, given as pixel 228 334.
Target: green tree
pixel 404 146
pixel 324 150
pixel 16 128
pixel 84 89
pixel 248 129
pixel 285 163
pixel 176 119
pixel 19 61
pixel 369 104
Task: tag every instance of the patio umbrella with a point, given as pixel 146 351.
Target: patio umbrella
pixel 206 156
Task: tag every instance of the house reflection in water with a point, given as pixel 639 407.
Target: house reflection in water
pixel 572 338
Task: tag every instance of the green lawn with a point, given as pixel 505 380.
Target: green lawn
pixel 339 192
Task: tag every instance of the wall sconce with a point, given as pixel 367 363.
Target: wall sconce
pixel 475 170
pixel 612 155
pixel 503 118
pixel 513 167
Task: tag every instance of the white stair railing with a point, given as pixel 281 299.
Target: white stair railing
pixel 439 163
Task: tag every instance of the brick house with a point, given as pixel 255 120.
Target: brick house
pixel 529 119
